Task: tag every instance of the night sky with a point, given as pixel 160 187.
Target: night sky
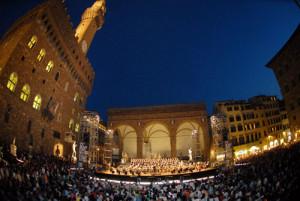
pixel 152 52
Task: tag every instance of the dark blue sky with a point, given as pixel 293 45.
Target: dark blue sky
pixel 170 51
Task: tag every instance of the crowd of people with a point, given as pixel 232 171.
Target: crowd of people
pixel 161 166
pixel 273 175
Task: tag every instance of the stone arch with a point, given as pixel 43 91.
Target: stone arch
pixel 189 134
pixel 58 149
pixel 128 140
pixel 156 140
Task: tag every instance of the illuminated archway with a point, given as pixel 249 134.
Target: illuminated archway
pixel 189 134
pixel 58 150
pixel 156 141
pixel 128 139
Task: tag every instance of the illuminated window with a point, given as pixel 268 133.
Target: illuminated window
pixel 37 102
pixel 77 127
pixel 41 55
pixel 71 124
pixel 25 93
pixel 12 82
pixel 49 66
pixel 32 42
pixel 76 97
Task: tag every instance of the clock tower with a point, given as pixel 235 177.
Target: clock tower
pixel 91 20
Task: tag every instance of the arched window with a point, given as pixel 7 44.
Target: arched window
pixel 32 42
pixel 25 93
pixel 41 55
pixel 76 97
pixel 12 81
pixel 77 127
pixel 71 124
pixel 37 102
pixel 49 66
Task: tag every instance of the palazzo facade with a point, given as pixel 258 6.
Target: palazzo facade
pixel 285 65
pixel 45 77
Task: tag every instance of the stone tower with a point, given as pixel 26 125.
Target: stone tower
pixel 91 21
pixel 46 78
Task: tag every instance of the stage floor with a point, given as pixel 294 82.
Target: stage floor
pixel 156 177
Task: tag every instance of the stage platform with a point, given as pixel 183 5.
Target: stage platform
pixel 156 177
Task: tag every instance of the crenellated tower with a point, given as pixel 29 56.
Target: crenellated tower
pixel 91 20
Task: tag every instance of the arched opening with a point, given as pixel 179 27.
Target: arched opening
pixel 189 135
pixel 156 141
pixel 58 150
pixel 127 140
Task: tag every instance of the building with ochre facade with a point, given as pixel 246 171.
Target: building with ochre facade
pixel 254 125
pixel 45 77
pixel 161 131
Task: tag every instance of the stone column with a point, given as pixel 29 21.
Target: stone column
pixel 173 146
pixel 139 143
pixel 199 138
pixel 121 145
pixel 173 141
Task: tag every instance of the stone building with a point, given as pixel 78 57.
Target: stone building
pixel 167 131
pixel 254 125
pixel 45 77
pixel 285 65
